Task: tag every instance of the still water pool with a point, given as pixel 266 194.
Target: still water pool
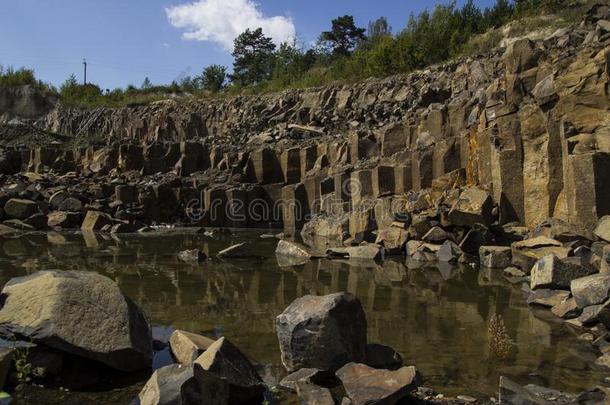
pixel 437 317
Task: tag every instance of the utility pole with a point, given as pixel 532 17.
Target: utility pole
pixel 85 76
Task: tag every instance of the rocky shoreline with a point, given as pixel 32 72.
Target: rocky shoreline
pixel 500 160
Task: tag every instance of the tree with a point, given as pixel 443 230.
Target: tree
pixel 343 36
pixel 379 28
pixel 146 84
pixel 213 77
pixel 254 54
pixel 291 62
pixel 70 83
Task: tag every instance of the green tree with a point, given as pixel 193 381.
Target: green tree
pixel 291 62
pixel 343 36
pixel 254 54
pixel 379 28
pixel 73 92
pixel 214 77
pixel 146 84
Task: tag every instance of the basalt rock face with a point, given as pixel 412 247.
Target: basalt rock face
pixel 528 125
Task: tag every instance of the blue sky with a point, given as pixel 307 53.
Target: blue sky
pixel 127 40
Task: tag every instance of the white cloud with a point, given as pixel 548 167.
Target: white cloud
pixel 221 21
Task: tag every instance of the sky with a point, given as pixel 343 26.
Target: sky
pixel 125 41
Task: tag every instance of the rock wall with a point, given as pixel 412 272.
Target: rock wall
pixel 530 124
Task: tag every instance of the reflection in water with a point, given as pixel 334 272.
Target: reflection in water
pixel 437 317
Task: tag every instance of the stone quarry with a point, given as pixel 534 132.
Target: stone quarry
pixel 501 159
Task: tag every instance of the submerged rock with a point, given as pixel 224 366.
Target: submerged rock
pixel 322 332
pixel 365 385
pixel 365 251
pixel 194 255
pixel 83 313
pixel 293 249
pixel 513 394
pixel 238 251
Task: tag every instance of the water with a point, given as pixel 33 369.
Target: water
pixel 437 317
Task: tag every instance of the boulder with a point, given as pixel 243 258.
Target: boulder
pixel 495 256
pixel 311 394
pixel 382 357
pixel 70 204
pixel 323 332
pixel 596 313
pixel 63 219
pixel 436 234
pixel 525 253
pixel 514 394
pixel 590 290
pixel 474 206
pixel 393 239
pixel 365 385
pixel 207 389
pixel 238 251
pixel 6 360
pixel 17 208
pixel 310 375
pixel 187 346
pixel 449 252
pixel 547 298
pixel 194 255
pixel 164 386
pixel 566 309
pixel 95 221
pixel 83 313
pixel 555 273
pixel 293 249
pixel 226 363
pixel 602 229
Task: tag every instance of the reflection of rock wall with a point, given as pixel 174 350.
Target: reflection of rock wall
pixel 435 316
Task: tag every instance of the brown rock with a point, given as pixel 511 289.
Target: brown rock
pixel 365 385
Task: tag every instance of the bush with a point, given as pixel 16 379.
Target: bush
pixel 10 77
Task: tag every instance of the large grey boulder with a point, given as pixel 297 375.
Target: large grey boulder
pixel 591 290
pixel 164 386
pixel 83 313
pixel 323 332
pixel 553 272
pixel 224 366
pixel 367 386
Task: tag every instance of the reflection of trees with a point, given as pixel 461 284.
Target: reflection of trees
pixel 436 316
